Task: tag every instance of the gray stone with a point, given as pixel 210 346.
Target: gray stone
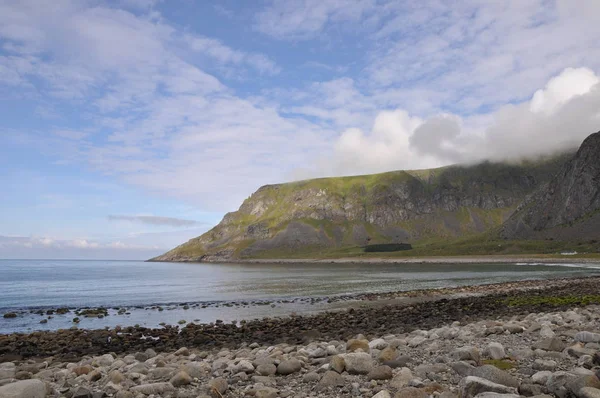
pixel 551 344
pixel 104 360
pixel 153 388
pixel 24 389
pixel 81 392
pixel 183 351
pixel 496 395
pixel 587 337
pixel 358 363
pixel 495 375
pixel 330 379
pixel 462 368
pixel 243 366
pixel 380 373
pixel 578 351
pixel 266 369
pixel 382 394
pixel 288 367
pixel 496 351
pixel 558 380
pixel 575 385
pixel 541 377
pixel 401 379
pixel 311 377
pixel 588 392
pixel 194 369
pixel 541 364
pixel 466 354
pixel 472 385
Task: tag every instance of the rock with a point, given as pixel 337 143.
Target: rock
pixel 411 392
pixel 401 379
pixel 496 395
pixel 181 379
pixel 551 344
pixel 417 341
pixel 382 394
pixel 82 370
pixel 9 315
pixel 311 377
pixel 514 328
pixel 378 344
pixel 388 354
pixel 357 344
pixel 546 332
pixel 587 337
pixel 116 377
pixel 337 363
pixel 380 373
pixel 195 370
pixel 218 385
pixel 330 379
pixel 95 375
pixel 267 369
pixel 495 351
pixel 466 354
pixel 358 363
pixel 161 374
pixel 588 392
pixel 578 351
pixel 183 351
pixel 530 390
pixel 541 377
pixel 81 392
pixel 24 389
pixel 104 360
pixel 495 375
pixel 288 367
pixel 243 366
pixel 473 385
pixel 153 388
pixel 462 368
pixel 541 364
pixel 557 380
pixel 575 385
pixel 266 392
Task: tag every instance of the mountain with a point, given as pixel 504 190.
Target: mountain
pixel 568 206
pixel 313 217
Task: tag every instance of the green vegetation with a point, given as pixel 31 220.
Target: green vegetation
pixel 499 363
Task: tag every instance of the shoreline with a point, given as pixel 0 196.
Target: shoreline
pixel 367 312
pixel 467 259
pixel 524 338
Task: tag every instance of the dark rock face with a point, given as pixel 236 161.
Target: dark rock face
pixel 568 207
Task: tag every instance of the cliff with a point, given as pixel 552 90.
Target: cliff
pixel 568 206
pixel 315 216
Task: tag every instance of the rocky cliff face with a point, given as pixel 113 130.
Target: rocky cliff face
pixel 401 206
pixel 568 207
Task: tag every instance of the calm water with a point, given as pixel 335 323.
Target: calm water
pixel 34 284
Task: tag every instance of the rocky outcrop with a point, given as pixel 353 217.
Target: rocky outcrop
pixel 568 207
pixel 307 217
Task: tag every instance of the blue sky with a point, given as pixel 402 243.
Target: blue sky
pixel 128 127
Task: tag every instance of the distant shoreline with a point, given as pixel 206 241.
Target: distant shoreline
pixel 478 259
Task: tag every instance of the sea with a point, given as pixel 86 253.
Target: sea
pixel 151 294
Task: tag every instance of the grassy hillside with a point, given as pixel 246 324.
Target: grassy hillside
pixel 338 216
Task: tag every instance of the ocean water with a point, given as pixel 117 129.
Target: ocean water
pixel 222 291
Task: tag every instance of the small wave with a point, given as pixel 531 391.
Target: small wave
pixel 567 265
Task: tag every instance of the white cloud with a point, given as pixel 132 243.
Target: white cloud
pixel 303 19
pixel 155 220
pixel 556 118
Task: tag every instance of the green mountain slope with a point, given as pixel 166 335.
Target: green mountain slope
pixel 315 217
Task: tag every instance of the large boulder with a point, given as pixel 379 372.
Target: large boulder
pixel 358 363
pixel 473 385
pixel 495 375
pixel 24 389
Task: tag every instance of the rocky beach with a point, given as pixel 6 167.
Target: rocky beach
pixel 530 338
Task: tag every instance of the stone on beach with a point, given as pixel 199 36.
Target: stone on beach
pixel 24 389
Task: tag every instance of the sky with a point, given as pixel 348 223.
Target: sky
pixel 128 127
